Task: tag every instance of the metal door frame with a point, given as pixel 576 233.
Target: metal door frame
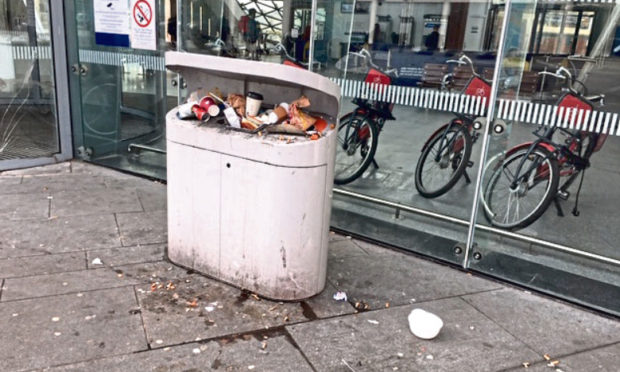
pixel 61 96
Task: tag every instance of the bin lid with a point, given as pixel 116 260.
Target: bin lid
pixel 276 82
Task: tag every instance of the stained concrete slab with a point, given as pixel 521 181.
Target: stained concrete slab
pixel 126 255
pixel 334 237
pixel 549 327
pixel 67 329
pixel 242 354
pixel 89 280
pixel 62 283
pixel 143 227
pixel 7 184
pixel 131 182
pixel 381 341
pixel 37 265
pixel 153 197
pixel 94 201
pixel 57 235
pixel 53 169
pixel 344 248
pixel 218 310
pixel 56 184
pixel 90 169
pixel 399 279
pixel 602 359
pixel 24 206
pixel 324 306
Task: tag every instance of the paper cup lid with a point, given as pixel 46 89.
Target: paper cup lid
pixel 255 95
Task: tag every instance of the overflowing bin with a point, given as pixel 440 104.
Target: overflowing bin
pixel 251 207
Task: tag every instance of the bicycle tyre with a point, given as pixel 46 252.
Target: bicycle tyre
pixel 356 123
pixel 549 171
pixel 425 161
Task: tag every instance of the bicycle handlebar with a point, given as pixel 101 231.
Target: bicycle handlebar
pixel 363 53
pixel 555 75
pixel 464 60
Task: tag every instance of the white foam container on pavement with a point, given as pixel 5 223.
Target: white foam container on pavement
pixel 423 324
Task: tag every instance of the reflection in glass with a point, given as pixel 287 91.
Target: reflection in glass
pixel 28 125
pixel 125 93
pixel 409 144
pixel 545 171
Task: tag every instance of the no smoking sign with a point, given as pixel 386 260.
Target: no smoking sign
pixel 143 20
pixel 142 13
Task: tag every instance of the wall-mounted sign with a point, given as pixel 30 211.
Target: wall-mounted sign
pixel 143 35
pixel 111 22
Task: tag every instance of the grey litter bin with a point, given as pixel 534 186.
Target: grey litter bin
pixel 251 210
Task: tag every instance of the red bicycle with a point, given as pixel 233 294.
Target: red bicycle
pixel 522 186
pixel 446 153
pixel 358 131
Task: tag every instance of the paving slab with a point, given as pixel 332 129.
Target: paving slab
pixel 89 169
pixel 46 264
pixel 333 237
pixel 381 341
pixel 7 183
pixel 131 182
pixel 56 235
pixel 547 326
pixel 324 306
pixel 152 194
pixel 62 283
pixel 399 279
pixel 56 184
pixel 344 248
pixel 67 329
pixel 52 169
pixel 241 354
pixel 153 197
pixel 89 280
pixel 101 200
pixel 205 308
pixel 143 227
pixel 24 206
pixel 601 359
pixel 126 255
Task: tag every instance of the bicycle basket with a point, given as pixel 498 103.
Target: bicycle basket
pixel 375 76
pixel 478 88
pixel 570 101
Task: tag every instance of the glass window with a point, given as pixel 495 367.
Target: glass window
pixel 28 123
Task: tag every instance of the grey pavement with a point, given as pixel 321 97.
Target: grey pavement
pixel 85 286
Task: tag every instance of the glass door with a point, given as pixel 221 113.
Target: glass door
pixel 30 119
pixel 438 150
pixel 120 83
pixel 547 196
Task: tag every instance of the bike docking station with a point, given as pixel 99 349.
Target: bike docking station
pixel 251 206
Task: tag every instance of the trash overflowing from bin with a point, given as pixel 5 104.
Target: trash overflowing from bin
pixel 250 113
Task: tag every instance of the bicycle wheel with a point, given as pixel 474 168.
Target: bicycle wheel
pixel 514 201
pixel 357 143
pixel 443 161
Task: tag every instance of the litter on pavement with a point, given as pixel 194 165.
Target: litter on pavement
pixel 424 325
pixel 340 296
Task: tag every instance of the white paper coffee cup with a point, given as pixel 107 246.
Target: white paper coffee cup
pixel 252 103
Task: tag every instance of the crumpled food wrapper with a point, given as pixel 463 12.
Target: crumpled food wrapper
pixel 237 101
pixel 300 119
pixel 301 102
